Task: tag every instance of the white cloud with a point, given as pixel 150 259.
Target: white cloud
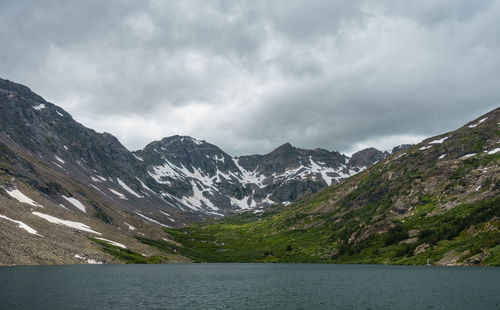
pixel 251 76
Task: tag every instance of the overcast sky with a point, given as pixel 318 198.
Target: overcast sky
pixel 251 75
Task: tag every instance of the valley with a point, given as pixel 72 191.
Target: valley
pixel 70 195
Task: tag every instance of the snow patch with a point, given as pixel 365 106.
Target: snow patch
pixel 63 206
pixel 480 121
pixel 76 203
pixel 249 177
pixel 400 155
pixel 128 189
pixel 197 200
pixel 438 141
pixel 137 157
pixel 59 159
pixel 151 220
pixel 21 225
pixel 197 142
pixel 89 260
pixel 324 171
pixel 59 113
pixel 39 107
pixel 19 196
pixel 75 225
pixel 467 156
pixel 217 158
pixel 240 203
pixel 112 242
pixel 494 151
pixel 145 186
pixel 130 227
pixel 58 165
pixel 120 195
pixel 425 147
pixel 442 156
pixel 168 215
pixel 97 188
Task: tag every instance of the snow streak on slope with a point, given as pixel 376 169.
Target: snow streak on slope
pixel 120 195
pixel 19 196
pixel 128 189
pixel 75 225
pixel 76 203
pixel 112 242
pixel 21 225
pixel 151 220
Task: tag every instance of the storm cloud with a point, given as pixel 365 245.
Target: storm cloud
pixel 251 75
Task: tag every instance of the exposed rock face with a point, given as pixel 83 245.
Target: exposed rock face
pixel 400 148
pixel 185 168
pixel 366 157
pixel 185 178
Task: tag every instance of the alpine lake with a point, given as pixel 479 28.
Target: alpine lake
pixel 249 286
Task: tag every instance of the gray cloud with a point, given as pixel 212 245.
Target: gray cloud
pixel 249 76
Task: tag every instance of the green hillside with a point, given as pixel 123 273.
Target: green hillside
pixel 438 200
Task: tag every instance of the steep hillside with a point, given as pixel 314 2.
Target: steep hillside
pixel 47 218
pixel 438 201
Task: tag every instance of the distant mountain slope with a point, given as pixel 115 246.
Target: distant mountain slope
pixel 175 180
pixel 437 201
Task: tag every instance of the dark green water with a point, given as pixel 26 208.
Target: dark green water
pixel 249 286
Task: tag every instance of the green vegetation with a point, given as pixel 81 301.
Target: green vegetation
pixel 270 239
pixel 126 255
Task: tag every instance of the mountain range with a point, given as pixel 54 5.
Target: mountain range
pixel 69 194
pixel 169 183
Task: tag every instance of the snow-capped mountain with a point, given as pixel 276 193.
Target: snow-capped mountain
pixel 196 175
pixel 171 181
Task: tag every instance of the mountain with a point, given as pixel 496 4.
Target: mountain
pixel 196 175
pixel 437 202
pixel 180 176
pixel 63 186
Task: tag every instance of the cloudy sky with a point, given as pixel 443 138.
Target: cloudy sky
pixel 251 75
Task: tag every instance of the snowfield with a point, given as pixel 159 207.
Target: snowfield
pixel 21 225
pixel 117 193
pixel 112 242
pixel 76 203
pixel 75 225
pixel 19 196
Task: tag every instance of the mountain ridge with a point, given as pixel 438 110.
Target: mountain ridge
pixel 170 169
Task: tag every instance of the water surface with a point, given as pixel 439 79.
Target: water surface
pixel 249 286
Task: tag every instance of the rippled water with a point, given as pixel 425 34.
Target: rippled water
pixel 249 286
